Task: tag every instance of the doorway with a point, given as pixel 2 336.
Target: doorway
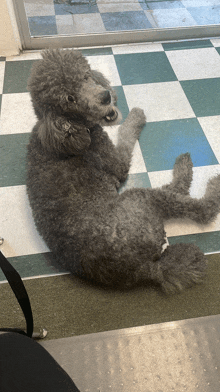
pixel 74 23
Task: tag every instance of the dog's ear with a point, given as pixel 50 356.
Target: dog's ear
pixel 63 137
pixel 102 81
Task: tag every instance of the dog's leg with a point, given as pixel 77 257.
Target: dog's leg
pixel 176 205
pixel 129 132
pixel 182 175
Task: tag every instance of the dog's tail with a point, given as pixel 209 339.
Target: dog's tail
pixel 180 266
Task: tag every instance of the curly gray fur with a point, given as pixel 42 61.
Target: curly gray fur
pixel 74 172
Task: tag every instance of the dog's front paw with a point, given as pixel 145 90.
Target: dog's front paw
pixel 137 120
pixel 138 115
pixel 132 126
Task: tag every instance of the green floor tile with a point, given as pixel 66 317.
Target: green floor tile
pixel 34 265
pixel 142 68
pixel 208 242
pixel 198 44
pixel 138 180
pixel 203 96
pixel 161 142
pixel 16 76
pixel 121 103
pixel 12 159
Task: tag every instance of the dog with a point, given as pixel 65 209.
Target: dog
pixel 74 173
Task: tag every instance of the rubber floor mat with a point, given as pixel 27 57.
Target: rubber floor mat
pixel 176 356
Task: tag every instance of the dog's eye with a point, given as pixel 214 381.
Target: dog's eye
pixel 71 99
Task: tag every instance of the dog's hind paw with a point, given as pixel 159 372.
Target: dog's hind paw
pixel 184 160
pixel 183 173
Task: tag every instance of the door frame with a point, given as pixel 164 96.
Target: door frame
pixel 109 38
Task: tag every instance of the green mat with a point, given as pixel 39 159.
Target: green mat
pixel 67 306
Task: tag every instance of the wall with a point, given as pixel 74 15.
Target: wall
pixel 10 44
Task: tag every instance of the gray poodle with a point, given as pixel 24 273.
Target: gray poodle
pixel 75 171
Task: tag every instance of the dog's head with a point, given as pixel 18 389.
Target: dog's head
pixel 63 83
pixel 69 98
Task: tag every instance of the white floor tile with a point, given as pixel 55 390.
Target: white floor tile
pixel 160 178
pixel 88 23
pixel 17 114
pixel 112 132
pixel 2 73
pixel 195 63
pixel 160 101
pixel 215 42
pixel 137 162
pixel 16 224
pixel 64 24
pixel 39 8
pixel 211 128
pixel 29 55
pixel 139 48
pixel 201 176
pixel 106 65
pixel 186 227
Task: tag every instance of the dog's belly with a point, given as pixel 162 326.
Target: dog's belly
pixel 123 240
pixel 126 227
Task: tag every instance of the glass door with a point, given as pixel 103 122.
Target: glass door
pixel 74 23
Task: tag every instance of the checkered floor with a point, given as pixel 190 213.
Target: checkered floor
pixel 52 17
pixel 178 86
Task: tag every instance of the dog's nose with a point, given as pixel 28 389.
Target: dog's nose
pixel 105 97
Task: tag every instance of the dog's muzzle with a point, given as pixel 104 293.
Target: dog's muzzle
pixel 112 116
